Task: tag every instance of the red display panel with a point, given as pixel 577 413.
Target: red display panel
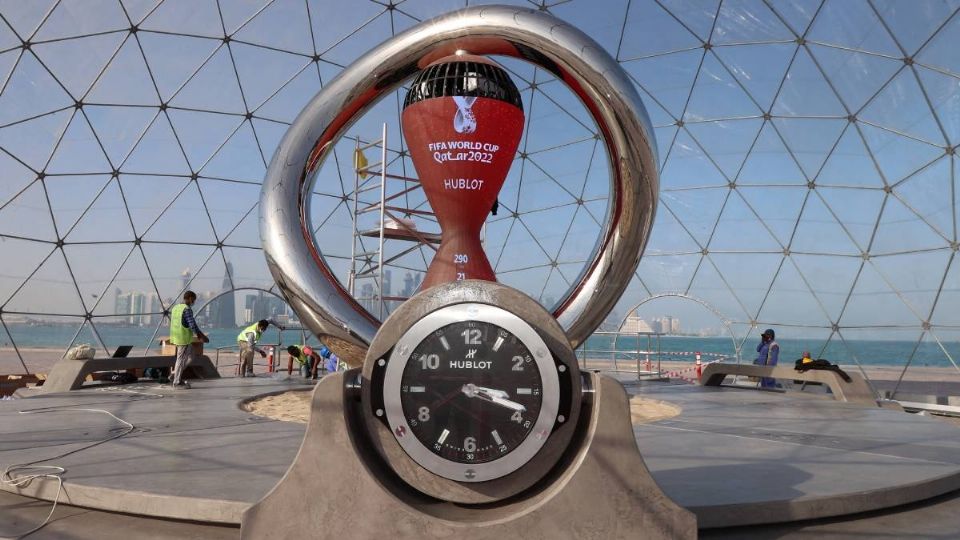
pixel 462 148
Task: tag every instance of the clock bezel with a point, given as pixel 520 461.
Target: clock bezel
pixel 536 437
pixel 374 434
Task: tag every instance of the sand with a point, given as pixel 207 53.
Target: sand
pixel 294 406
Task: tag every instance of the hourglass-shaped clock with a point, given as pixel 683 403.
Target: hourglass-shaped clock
pixel 462 120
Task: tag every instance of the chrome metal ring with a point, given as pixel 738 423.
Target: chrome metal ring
pixel 296 262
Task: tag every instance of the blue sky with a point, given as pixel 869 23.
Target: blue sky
pixel 804 183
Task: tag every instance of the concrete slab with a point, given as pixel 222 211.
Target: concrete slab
pixel 193 455
pixel 733 456
pixel 20 514
pixel 737 457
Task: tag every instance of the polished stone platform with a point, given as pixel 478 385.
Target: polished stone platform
pixel 733 456
pixel 744 456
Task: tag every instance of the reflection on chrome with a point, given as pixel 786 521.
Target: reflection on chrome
pixel 296 262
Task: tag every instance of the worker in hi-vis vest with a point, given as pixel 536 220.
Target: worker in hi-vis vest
pixel 182 328
pixel 247 340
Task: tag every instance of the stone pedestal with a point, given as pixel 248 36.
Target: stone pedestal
pixel 338 487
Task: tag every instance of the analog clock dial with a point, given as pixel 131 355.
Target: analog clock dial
pixel 471 392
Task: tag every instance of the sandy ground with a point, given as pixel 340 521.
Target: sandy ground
pixel 291 406
pixel 294 406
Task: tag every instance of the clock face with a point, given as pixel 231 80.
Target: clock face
pixel 471 392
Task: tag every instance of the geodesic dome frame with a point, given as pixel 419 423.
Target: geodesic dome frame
pixel 808 156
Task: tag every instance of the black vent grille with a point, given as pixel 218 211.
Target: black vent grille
pixel 463 79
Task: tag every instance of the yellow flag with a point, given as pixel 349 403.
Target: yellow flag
pixel 360 163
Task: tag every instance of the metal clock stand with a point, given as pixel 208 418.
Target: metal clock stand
pixel 359 475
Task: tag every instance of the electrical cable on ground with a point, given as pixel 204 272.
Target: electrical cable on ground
pixel 20 475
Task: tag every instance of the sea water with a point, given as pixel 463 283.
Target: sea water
pixel 867 352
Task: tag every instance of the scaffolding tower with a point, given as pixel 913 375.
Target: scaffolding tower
pixel 393 223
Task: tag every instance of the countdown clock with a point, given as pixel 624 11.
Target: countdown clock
pixel 477 390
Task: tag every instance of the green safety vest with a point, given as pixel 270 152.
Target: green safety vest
pixel 252 328
pixel 301 358
pixel 179 334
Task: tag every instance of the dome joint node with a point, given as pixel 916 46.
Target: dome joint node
pixel 786 252
pixel 732 185
pixel 926 325
pixel 704 251
pixel 908 60
pixel 767 116
pixel 852 118
pixel 811 185
pixel 888 189
pixel 801 41
pixel 865 256
pixel 835 327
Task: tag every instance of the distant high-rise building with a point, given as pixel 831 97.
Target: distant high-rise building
pixel 366 296
pixel 121 303
pixel 137 304
pixel 153 309
pixel 674 325
pixel 185 278
pixel 407 285
pixel 263 306
pixel 223 309
pixel 385 289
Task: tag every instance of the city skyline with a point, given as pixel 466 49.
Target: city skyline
pixel 807 150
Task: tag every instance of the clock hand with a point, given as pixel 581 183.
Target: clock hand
pixel 497 397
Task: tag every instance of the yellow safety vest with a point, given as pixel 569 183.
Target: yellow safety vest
pixel 252 328
pixel 179 334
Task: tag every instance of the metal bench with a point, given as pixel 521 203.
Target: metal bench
pixel 855 391
pixel 69 375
